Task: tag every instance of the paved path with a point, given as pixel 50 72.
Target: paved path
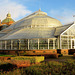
pixel 59 60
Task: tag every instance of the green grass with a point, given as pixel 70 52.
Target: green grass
pixel 66 57
pixel 47 68
pixel 7 55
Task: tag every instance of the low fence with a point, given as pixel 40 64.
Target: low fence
pixel 71 51
pixel 38 52
pixel 28 52
pixel 63 51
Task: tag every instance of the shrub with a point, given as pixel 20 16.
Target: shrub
pixel 60 55
pixel 20 63
pixel 47 68
pixel 52 56
pixel 74 55
pixel 53 68
pixel 7 67
pixel 33 59
pixel 5 58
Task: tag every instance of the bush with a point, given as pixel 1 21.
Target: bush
pixel 7 67
pixel 60 55
pixel 74 55
pixel 33 59
pixel 44 69
pixel 52 56
pixel 53 68
pixel 47 68
pixel 5 58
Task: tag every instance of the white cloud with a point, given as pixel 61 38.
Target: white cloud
pixel 16 10
pixel 64 15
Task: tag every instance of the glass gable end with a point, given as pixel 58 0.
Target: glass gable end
pixel 66 38
pixel 70 31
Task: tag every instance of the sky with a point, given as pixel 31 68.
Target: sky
pixel 63 10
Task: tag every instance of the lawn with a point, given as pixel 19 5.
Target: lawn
pixel 46 68
pixel 64 65
pixel 7 55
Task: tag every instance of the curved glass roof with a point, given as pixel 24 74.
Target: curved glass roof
pixel 35 25
pixel 36 19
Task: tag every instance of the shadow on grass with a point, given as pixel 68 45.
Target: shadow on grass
pixel 7 67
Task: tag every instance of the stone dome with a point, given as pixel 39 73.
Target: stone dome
pixel 8 20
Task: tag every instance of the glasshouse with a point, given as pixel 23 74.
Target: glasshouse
pixel 38 31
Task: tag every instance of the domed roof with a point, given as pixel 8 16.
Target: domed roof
pixel 42 20
pixel 8 20
pixel 36 19
pixel 36 25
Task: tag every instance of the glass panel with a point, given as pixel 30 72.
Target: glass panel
pixel 16 44
pixel 69 44
pixel 70 31
pixel 66 42
pixel 23 44
pixel 8 44
pixel 56 44
pixel 0 44
pixel 67 36
pixel 50 44
pixel 73 44
pixel 33 44
pixel 43 43
pixel 3 44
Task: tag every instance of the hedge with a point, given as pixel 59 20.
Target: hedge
pixel 33 59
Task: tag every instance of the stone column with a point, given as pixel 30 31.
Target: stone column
pixel 60 42
pixel 11 44
pixel 28 44
pixel 68 42
pixel 19 44
pixel 1 44
pixel 48 43
pixel 53 43
pixel 5 44
pixel 38 43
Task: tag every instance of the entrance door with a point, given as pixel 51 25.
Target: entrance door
pixel 72 43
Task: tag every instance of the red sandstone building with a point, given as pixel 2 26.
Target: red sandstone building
pixel 6 22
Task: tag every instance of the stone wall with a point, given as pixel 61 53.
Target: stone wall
pixel 63 51
pixel 28 52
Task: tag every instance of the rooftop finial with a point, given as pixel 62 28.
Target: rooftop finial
pixel 39 9
pixel 8 15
